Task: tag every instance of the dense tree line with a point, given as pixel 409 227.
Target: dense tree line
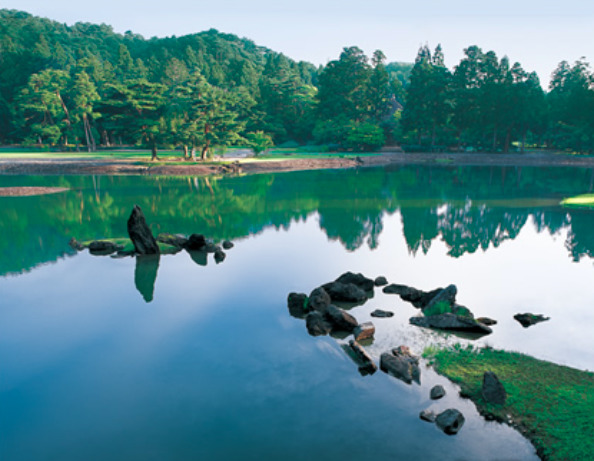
pixel 86 86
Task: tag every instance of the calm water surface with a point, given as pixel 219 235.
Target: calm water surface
pixel 182 358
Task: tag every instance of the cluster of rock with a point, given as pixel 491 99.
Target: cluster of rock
pixel 146 244
pixel 440 310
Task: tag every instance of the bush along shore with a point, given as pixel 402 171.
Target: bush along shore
pixel 552 405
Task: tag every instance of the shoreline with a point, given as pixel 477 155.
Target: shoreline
pixel 236 165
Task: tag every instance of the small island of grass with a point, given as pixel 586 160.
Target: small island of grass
pixel 550 404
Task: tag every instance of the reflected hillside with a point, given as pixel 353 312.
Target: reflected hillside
pixel 468 208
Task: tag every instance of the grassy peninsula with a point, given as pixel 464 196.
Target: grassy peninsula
pixel 550 404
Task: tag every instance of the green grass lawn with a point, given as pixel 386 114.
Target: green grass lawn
pixel 553 405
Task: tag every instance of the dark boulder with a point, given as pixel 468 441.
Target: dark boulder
pixel 196 242
pixel 297 304
pixel 348 292
pixel 103 247
pixel 210 246
pixel 401 364
pixel 340 319
pixel 363 332
pixel 219 256
pixel 175 240
pixel 450 421
pixel 316 324
pixel 449 321
pixel 527 320
pixel 360 280
pixel 446 296
pixel 437 392
pixel 382 314
pixel 418 298
pixel 318 300
pixel 380 281
pixel 492 390
pixel 227 245
pixel 140 234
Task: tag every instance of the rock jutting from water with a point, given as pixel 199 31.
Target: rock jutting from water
pixel 527 319
pixel 381 314
pixel 401 364
pixel 140 233
pixel 450 421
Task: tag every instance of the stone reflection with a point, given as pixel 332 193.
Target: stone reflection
pixel 145 275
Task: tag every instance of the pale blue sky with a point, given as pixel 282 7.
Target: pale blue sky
pixel 538 34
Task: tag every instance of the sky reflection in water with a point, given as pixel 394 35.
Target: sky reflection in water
pixel 214 367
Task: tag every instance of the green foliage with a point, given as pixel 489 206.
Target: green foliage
pixel 551 404
pixel 441 307
pixel 259 141
pixel 364 137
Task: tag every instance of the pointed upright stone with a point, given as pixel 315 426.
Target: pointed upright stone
pixel 140 234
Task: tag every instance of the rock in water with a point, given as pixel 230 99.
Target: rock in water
pixel 140 234
pixel 527 320
pixel 437 392
pixel 318 300
pixel 297 304
pixel 196 242
pixel 364 331
pixel 450 421
pixel 316 324
pixel 340 319
pixel 449 321
pixel 103 247
pixel 493 391
pixel 382 314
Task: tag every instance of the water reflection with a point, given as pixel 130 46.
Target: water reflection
pixel 468 208
pixel 145 275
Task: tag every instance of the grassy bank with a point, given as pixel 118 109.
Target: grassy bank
pixel 550 404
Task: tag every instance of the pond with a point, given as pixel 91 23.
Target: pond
pixel 104 358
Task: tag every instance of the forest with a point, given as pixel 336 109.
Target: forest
pixel 85 87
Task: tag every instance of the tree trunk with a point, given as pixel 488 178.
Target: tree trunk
pixel 507 140
pixel 523 141
pixel 193 153
pixel 433 136
pixel 86 129
pixel 494 148
pixel 185 151
pixel 204 151
pixel 154 151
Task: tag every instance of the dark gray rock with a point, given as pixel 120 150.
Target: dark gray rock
pixel 363 332
pixel 380 281
pixel 176 240
pixel 196 242
pixel 316 324
pixel 75 244
pixel 362 358
pixel 450 421
pixel 486 321
pixel 360 280
pixel 382 314
pixel 318 300
pixel 493 391
pixel 140 234
pixel 427 415
pixel 437 392
pixel 527 320
pixel 219 255
pixel 210 246
pixel 340 319
pixel 398 367
pixel 447 295
pixel 297 304
pixel 145 275
pixel 348 292
pixel 103 247
pixel 227 245
pixel 418 298
pixel 449 321
pixel 401 364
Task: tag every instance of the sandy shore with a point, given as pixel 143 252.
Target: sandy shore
pixel 80 165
